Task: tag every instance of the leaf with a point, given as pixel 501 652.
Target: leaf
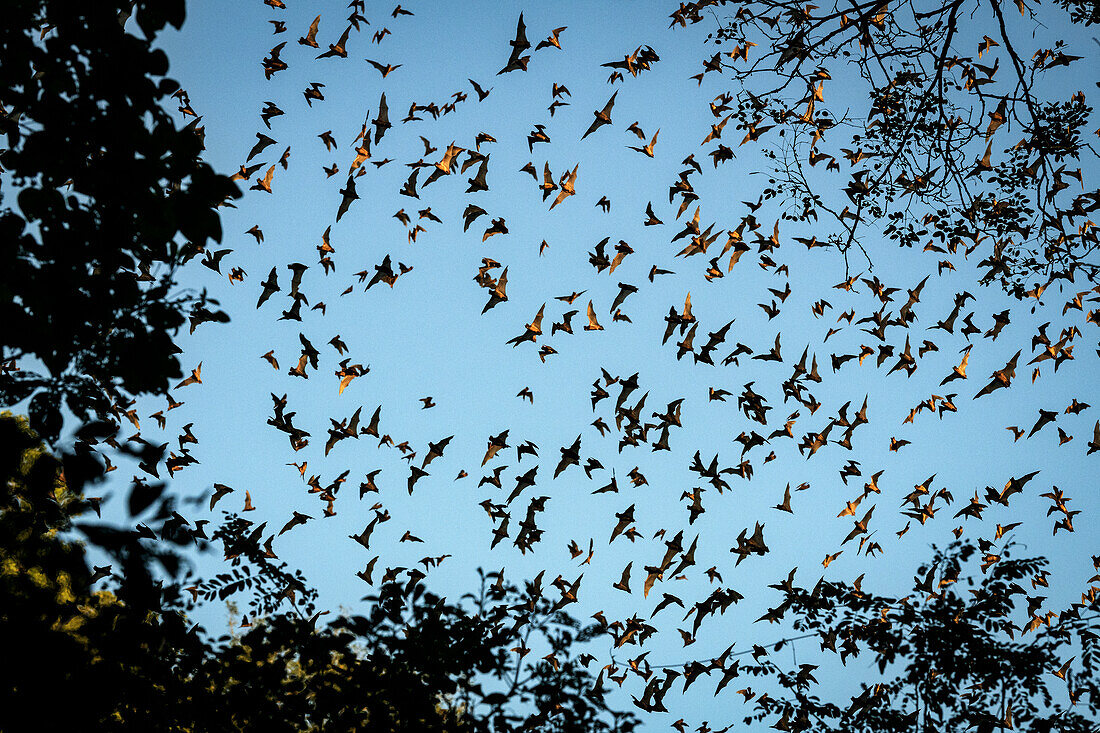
pixel 14 390
pixel 44 415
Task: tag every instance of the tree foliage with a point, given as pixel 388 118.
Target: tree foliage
pixel 952 655
pixel 108 654
pixel 968 141
pixel 103 184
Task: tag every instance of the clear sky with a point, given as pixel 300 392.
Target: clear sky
pixel 427 336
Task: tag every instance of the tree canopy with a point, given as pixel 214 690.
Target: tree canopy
pixel 950 655
pixel 954 150
pixel 102 185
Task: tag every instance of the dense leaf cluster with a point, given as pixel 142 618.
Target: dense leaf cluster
pixel 100 185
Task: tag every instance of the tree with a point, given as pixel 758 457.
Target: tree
pixel 951 655
pixel 106 655
pixel 105 183
pixel 409 661
pixel 965 143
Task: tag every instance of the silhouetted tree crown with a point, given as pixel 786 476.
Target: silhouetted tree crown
pixel 105 184
pixel 959 652
pixel 968 140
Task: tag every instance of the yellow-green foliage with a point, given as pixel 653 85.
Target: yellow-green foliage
pixel 24 566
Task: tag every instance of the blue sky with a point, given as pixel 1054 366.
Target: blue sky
pixel 426 335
